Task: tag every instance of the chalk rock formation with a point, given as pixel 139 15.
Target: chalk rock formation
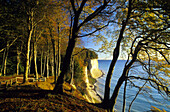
pixel 93 68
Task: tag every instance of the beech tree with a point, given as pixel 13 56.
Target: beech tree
pixel 78 23
pixel 147 29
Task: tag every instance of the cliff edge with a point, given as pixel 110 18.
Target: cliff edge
pixel 92 70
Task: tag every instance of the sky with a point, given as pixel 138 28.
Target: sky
pixel 88 43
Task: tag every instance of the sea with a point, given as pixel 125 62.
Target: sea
pixel 144 100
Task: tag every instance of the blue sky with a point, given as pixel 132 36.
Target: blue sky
pixel 88 43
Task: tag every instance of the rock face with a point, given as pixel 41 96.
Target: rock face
pixel 93 68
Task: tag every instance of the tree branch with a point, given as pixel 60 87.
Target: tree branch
pixel 9 44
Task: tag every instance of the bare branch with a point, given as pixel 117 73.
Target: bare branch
pixel 73 6
pixel 9 44
pixel 166 89
pixel 95 13
pixel 97 29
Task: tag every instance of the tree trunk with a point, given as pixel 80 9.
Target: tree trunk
pixel 18 60
pixel 52 65
pixel 54 57
pixel 113 99
pixel 47 64
pixel 30 61
pixel 2 68
pixel 4 63
pixel 58 56
pixel 115 58
pixel 72 71
pixel 59 85
pixel 124 97
pixel 30 31
pixel 45 59
pixel 72 41
pixel 35 61
pixel 41 63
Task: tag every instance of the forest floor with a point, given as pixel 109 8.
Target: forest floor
pixel 37 96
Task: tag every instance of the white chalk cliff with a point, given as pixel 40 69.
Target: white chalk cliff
pixel 92 67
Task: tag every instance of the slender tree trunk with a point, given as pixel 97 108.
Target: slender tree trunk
pixel 6 57
pixel 124 97
pixel 3 63
pixel 72 71
pixel 30 31
pixel 114 60
pixel 59 85
pixel 31 56
pixel 41 63
pixel 47 64
pixel 72 41
pixel 113 98
pixel 18 60
pixel 54 56
pixel 136 96
pixel 58 56
pixel 35 61
pixel 52 65
pixel 45 59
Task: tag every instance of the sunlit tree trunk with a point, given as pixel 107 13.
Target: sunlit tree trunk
pixel 18 60
pixel 35 61
pixel 45 59
pixel 31 56
pixel 59 85
pixel 41 63
pixel 72 71
pixel 30 32
pixel 4 63
pixel 72 41
pixel 47 64
pixel 52 65
pixel 58 56
pixel 54 55
pixel 3 60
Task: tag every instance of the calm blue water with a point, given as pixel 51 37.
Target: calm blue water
pixel 143 102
